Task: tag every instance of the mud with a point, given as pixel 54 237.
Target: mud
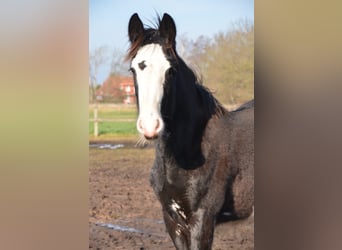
pixel 124 212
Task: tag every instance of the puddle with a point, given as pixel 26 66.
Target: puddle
pixel 147 231
pixel 120 228
pixel 106 146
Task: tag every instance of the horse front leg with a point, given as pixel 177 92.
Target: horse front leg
pixel 178 232
pixel 202 230
pixel 196 234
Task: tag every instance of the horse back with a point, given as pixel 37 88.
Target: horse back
pixel 239 141
pixel 239 125
pixel 233 131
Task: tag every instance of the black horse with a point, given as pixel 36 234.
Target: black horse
pixel 204 165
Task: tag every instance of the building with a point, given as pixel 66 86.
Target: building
pixel 117 89
pixel 127 87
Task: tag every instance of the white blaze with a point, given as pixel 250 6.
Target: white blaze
pixel 150 79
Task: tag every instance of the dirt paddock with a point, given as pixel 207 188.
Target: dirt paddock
pixel 124 212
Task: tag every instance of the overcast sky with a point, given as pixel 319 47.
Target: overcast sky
pixel 108 19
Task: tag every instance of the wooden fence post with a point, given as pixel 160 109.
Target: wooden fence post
pixel 96 122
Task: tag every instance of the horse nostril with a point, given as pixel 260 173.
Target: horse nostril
pixel 140 125
pixel 157 125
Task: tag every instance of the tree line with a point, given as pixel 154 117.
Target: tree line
pixel 224 62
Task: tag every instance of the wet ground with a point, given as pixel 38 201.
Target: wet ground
pixel 123 210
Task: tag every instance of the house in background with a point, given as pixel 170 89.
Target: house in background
pixel 127 87
pixel 117 89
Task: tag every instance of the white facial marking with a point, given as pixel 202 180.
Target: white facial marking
pixel 150 65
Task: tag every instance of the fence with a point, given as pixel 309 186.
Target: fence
pixel 117 107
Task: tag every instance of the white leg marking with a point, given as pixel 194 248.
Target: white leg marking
pixel 175 207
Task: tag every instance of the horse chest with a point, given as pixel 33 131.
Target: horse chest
pixel 175 184
pixel 179 190
pixel 174 198
pixel 182 191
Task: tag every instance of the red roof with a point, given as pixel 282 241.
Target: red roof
pixel 117 88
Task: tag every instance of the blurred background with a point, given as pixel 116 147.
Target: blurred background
pixel 215 38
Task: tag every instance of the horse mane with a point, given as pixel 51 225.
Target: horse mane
pixel 195 106
pixel 214 107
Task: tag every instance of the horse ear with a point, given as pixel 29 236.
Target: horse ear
pixel 135 28
pixel 167 29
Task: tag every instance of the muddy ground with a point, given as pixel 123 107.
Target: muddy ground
pixel 124 212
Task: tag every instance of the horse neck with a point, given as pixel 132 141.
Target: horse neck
pixel 195 101
pixel 186 117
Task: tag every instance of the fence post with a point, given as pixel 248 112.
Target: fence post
pixel 96 122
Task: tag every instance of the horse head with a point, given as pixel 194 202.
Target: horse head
pixel 150 54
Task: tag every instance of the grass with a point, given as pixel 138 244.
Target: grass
pixel 123 124
pixel 115 114
pixel 114 128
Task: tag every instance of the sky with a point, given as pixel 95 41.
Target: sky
pixel 108 20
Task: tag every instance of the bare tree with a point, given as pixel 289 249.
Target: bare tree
pixel 119 65
pixel 229 65
pixel 193 51
pixel 225 62
pixel 97 58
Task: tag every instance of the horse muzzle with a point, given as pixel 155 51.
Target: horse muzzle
pixel 150 128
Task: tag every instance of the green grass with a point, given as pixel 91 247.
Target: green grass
pixel 114 128
pixel 123 124
pixel 115 114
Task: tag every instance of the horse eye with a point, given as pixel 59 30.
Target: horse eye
pixel 142 65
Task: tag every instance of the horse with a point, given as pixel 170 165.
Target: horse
pixel 204 155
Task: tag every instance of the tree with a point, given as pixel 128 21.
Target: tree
pixel 193 51
pixel 119 66
pixel 97 58
pixel 230 63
